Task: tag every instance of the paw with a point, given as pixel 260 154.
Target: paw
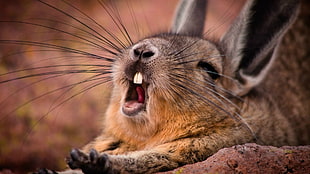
pixel 45 171
pixel 89 164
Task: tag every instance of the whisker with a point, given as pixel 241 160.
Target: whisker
pixel 193 60
pixel 225 17
pixel 54 72
pixel 211 92
pixel 93 78
pixel 184 48
pixel 54 66
pixel 26 86
pixel 101 39
pixel 219 74
pixel 236 116
pixel 77 20
pixel 118 23
pixel 181 84
pixel 101 27
pixel 180 57
pixel 58 48
pixel 65 32
pixel 134 19
pixel 60 104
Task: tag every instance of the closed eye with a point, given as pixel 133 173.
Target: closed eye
pixel 209 69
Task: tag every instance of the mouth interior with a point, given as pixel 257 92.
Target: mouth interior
pixel 140 93
pixel 135 100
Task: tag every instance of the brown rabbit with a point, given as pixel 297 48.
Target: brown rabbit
pixel 178 98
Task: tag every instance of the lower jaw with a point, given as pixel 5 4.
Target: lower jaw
pixel 133 112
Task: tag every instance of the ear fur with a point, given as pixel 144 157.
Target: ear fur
pixel 189 17
pixel 250 45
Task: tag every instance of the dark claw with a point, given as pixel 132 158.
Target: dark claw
pixel 45 171
pixel 89 164
pixel 74 154
pixel 77 159
pixel 93 155
pixel 103 161
pixel 77 155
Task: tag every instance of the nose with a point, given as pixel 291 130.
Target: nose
pixel 144 51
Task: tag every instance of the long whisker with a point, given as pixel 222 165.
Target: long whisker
pixel 54 66
pixel 54 72
pixel 193 60
pixel 93 78
pixel 211 92
pixel 101 27
pixel 60 104
pixel 183 56
pixel 77 20
pixel 65 32
pixel 225 17
pixel 100 39
pixel 135 21
pixel 184 48
pixel 219 74
pixel 119 24
pixel 193 90
pixel 26 86
pixel 58 48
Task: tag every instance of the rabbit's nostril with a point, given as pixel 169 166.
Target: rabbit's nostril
pixel 141 53
pixel 144 50
pixel 147 54
pixel 137 52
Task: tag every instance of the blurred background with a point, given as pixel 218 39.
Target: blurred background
pixel 43 117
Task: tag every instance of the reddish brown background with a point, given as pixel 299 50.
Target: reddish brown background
pixel 33 135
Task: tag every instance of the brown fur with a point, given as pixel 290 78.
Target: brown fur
pixel 176 130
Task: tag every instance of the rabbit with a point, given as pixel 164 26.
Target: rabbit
pixel 178 97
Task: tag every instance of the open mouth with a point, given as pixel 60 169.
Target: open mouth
pixel 135 100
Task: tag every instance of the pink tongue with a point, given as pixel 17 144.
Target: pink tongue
pixel 140 92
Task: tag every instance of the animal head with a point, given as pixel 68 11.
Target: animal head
pixel 184 69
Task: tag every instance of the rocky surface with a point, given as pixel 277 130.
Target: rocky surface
pixel 253 158
pixel 248 158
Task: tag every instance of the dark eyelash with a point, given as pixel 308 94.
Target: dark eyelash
pixel 209 69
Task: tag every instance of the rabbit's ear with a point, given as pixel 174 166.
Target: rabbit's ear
pixel 189 17
pixel 250 45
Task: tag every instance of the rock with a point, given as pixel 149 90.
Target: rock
pixel 253 158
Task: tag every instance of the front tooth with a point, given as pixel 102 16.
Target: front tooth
pixel 137 79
